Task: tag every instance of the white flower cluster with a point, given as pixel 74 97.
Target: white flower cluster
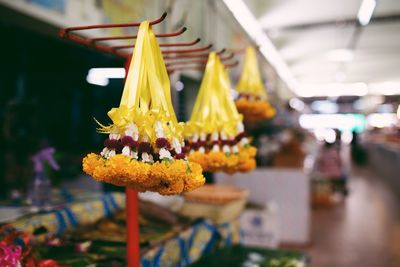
pixel 133 132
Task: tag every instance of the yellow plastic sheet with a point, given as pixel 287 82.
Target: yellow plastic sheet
pixel 250 80
pixel 214 109
pixel 146 97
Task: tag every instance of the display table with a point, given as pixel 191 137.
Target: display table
pixel 384 158
pixel 161 244
pixel 246 256
pixel 288 189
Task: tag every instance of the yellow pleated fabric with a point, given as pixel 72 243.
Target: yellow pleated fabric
pixel 250 81
pixel 146 97
pixel 214 109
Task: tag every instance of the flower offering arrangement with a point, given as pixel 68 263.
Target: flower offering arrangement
pixel 252 101
pixel 145 148
pixel 215 136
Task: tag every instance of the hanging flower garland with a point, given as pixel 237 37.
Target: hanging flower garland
pixel 145 148
pixel 215 133
pixel 252 101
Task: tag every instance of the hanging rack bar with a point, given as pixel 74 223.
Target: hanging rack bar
pixel 205 55
pixel 183 62
pixel 187 50
pixel 118 47
pixel 199 67
pixel 117 25
pixel 127 37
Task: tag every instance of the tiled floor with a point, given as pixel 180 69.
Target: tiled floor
pixel 363 231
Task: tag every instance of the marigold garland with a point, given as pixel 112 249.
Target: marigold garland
pixel 166 177
pixel 145 147
pixel 252 101
pixel 230 163
pixel 215 132
pixel 255 110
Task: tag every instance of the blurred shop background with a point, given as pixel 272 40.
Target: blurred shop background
pixel 328 165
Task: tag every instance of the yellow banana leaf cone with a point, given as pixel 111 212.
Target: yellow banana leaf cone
pixel 145 148
pixel 252 101
pixel 215 133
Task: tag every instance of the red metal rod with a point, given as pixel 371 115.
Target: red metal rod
pixel 132 219
pixel 186 62
pixel 127 37
pixel 187 50
pixel 232 65
pixel 199 67
pixel 186 57
pixel 118 25
pixel 132 228
pixel 103 48
pixel 117 47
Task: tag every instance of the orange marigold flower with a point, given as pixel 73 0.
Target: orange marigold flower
pixel 118 167
pixel 255 110
pixel 199 158
pixel 90 162
pixel 158 171
pixel 216 161
pixel 194 178
pixel 247 165
pixel 231 160
pixel 101 173
pixel 172 178
pixel 139 174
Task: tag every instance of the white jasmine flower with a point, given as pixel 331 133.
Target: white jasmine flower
pixel 235 149
pixel 165 154
pixel 111 153
pixel 147 157
pixel 176 145
pixel 203 136
pixel 126 151
pixel 159 129
pixel 240 127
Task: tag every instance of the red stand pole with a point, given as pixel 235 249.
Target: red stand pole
pixel 132 217
pixel 132 228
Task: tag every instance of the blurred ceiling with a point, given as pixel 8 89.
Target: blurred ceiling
pixel 322 42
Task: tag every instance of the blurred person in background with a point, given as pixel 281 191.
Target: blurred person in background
pixel 358 153
pixel 329 165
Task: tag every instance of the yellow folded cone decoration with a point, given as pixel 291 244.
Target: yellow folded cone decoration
pixel 215 136
pixel 252 101
pixel 144 150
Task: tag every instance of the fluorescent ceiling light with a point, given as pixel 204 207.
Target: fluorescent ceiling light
pixel 368 103
pixel 348 89
pixel 109 73
pixel 179 86
pixel 385 108
pixel 366 10
pixel 325 106
pixel 340 55
pixel 101 76
pixel 253 28
pixel 332 89
pixel 384 88
pixel 381 120
pixel 343 122
pixel 296 104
